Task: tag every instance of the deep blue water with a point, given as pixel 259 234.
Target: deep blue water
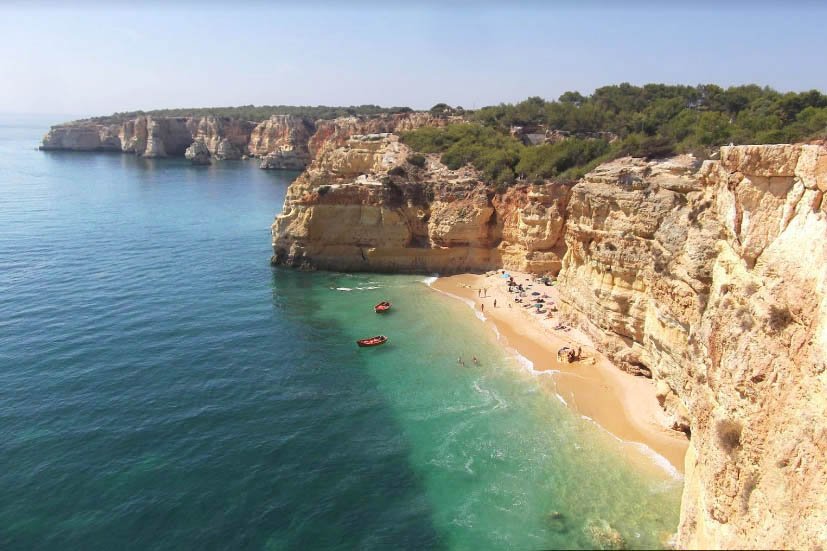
pixel 163 387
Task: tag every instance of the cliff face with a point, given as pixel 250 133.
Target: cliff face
pixel 713 283
pixel 153 136
pixel 363 206
pixel 225 138
pixel 710 279
pixel 282 141
pixel 91 137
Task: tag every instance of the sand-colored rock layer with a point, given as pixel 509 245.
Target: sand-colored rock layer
pixel 710 278
pixel 282 141
pixel 362 206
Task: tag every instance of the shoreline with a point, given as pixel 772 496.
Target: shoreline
pixel 623 405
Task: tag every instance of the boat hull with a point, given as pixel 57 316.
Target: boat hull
pixel 372 341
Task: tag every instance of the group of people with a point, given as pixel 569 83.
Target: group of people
pixel 461 362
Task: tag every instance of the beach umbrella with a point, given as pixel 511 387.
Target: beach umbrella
pixel 506 276
pixel 535 293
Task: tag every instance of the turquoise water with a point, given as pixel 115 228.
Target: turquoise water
pixel 162 387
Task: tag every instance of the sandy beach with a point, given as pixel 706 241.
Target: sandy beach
pixel 623 404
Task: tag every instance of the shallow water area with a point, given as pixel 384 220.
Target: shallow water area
pixel 163 387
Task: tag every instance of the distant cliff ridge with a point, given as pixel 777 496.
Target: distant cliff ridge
pixel 282 141
pixel 710 278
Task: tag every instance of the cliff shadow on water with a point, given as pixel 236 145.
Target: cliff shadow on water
pixel 351 484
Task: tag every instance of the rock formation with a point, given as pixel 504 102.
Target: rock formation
pixel 282 142
pixel 710 278
pixel 198 153
pixel 364 206
pixel 226 138
pixel 82 137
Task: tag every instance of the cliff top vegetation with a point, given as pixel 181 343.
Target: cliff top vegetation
pixel 577 132
pixel 257 113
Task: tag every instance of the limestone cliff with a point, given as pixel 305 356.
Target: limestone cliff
pixel 282 142
pixel 223 137
pixel 713 282
pixel 82 137
pixel 364 206
pixel 710 278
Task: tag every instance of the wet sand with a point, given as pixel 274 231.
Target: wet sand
pixel 622 404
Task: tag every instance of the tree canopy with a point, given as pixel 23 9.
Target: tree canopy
pixel 653 120
pixel 258 113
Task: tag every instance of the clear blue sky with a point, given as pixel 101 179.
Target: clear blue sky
pixel 91 59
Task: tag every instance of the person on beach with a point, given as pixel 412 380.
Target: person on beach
pixel 476 361
pixel 495 303
pixel 482 307
pixel 460 361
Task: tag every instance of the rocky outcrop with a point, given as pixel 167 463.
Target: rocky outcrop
pixel 710 278
pixel 198 153
pixel 364 206
pixel 335 133
pixel 81 137
pixel 167 137
pixel 226 138
pixel 281 142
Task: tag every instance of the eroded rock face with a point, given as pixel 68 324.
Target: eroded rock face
pixel 167 137
pixel 335 133
pixel 281 142
pixel 225 138
pixel 79 137
pixel 198 153
pixel 362 206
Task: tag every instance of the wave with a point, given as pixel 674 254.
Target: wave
pixel 491 395
pixel 655 457
pixel 366 288
pixel 430 280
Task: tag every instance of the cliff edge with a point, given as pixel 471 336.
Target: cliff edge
pixel 287 142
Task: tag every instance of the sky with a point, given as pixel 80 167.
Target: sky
pixel 90 58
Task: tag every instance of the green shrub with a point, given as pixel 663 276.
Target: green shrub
pixel 417 160
pixel 778 318
pixel 729 435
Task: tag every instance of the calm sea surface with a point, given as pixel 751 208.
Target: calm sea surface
pixel 162 387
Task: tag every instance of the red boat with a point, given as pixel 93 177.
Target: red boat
pixel 373 341
pixel 382 307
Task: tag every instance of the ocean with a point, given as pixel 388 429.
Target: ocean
pixel 163 387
